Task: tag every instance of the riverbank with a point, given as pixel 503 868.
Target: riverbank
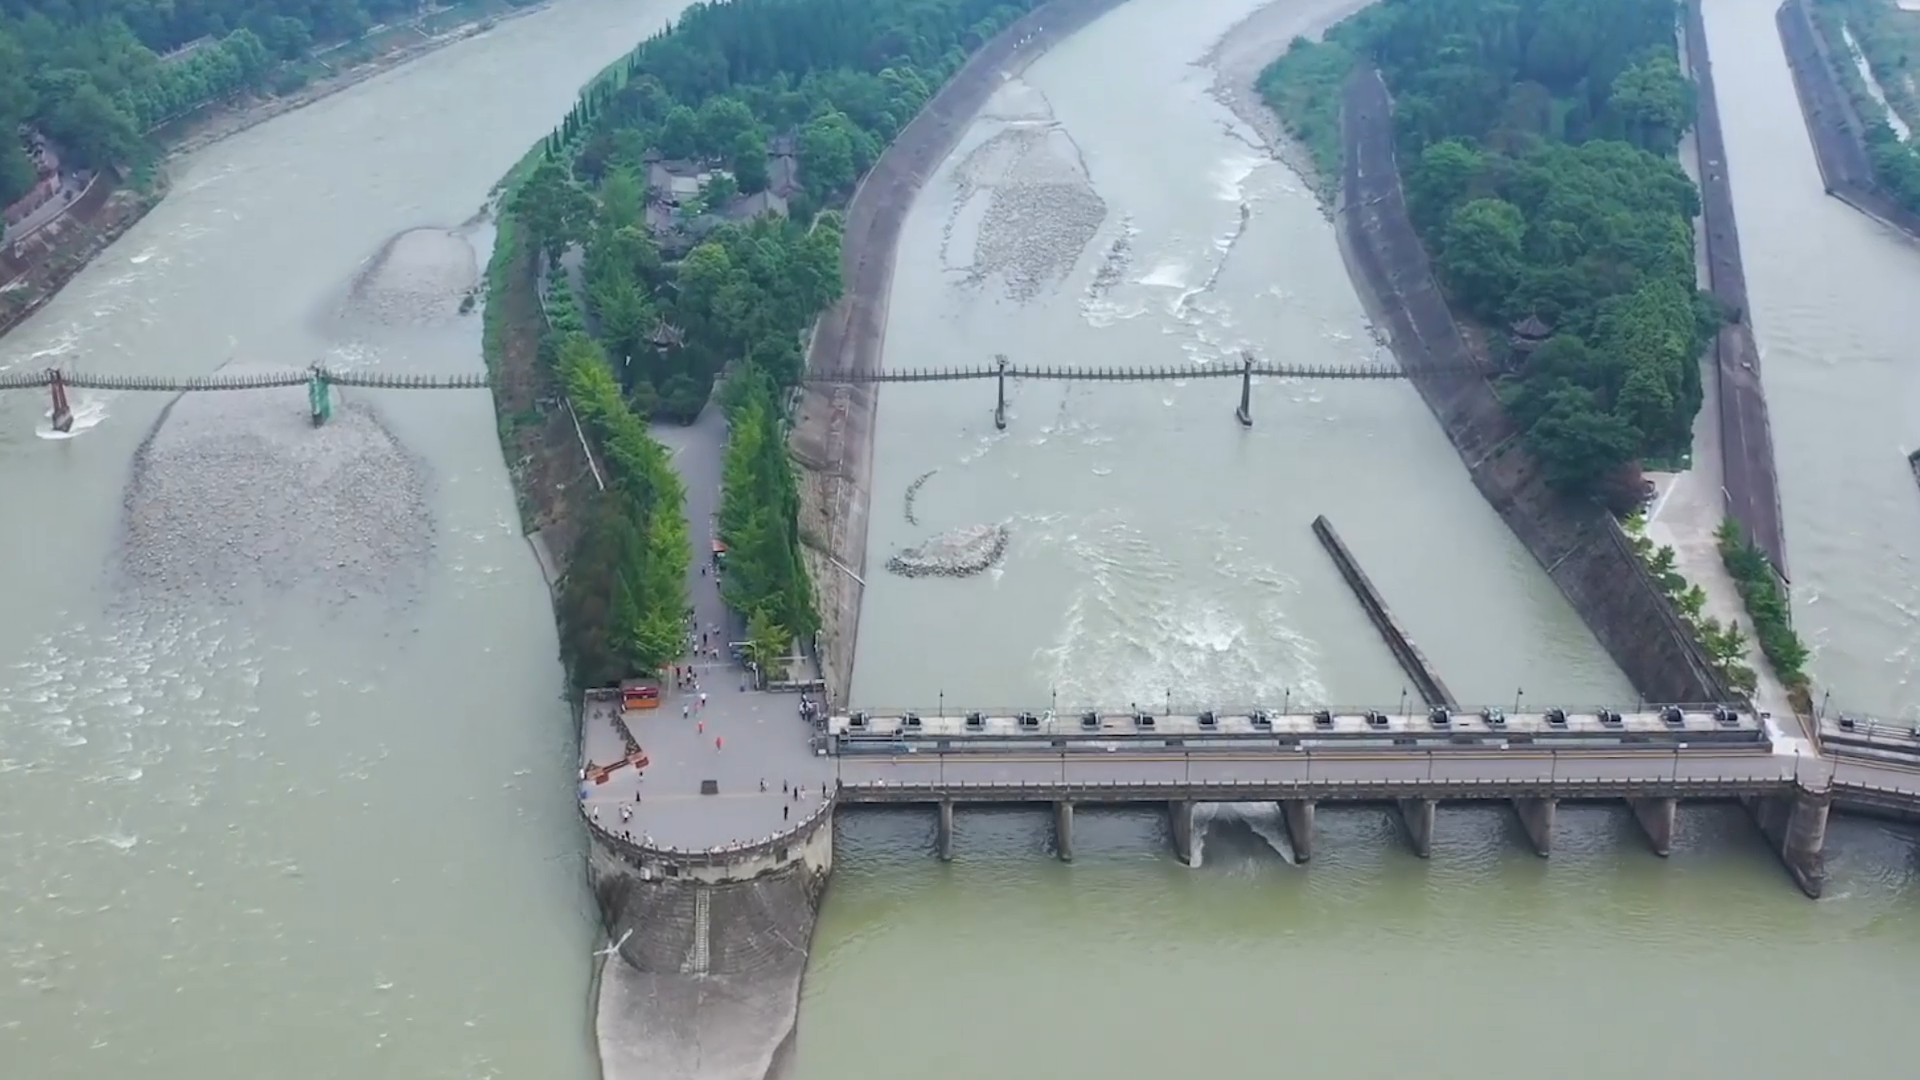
pixel 1583 550
pixel 1246 50
pixel 48 260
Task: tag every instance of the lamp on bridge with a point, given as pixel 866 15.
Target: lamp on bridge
pixel 1517 694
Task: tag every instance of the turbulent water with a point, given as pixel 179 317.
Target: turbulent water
pixel 1154 548
pixel 1157 549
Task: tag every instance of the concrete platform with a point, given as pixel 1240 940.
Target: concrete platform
pixel 760 735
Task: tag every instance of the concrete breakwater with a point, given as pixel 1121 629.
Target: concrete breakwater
pixel 1578 542
pixel 1834 124
pixel 833 433
pixel 714 945
pixel 1412 660
pixel 1746 434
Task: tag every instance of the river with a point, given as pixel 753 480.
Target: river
pixel 1832 313
pixel 286 837
pixel 310 835
pixel 1155 546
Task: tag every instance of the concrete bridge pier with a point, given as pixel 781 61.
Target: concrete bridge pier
pixel 1796 827
pixel 1180 816
pixel 1063 830
pixel 1656 819
pixel 1298 814
pixel 1000 403
pixel 1244 413
pixel 1417 815
pixel 944 833
pixel 1536 816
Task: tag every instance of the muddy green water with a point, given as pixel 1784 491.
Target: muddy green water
pixel 311 839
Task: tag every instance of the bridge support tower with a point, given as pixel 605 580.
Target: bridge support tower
pixel 1063 830
pixel 62 412
pixel 1656 819
pixel 1536 816
pixel 1000 402
pixel 1417 815
pixel 319 397
pixel 943 836
pixel 1244 413
pixel 1298 816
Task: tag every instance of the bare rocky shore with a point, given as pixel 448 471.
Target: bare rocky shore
pixel 236 494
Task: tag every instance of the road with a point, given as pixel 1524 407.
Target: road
pixel 866 778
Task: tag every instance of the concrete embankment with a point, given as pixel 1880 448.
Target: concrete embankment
pixel 1582 548
pixel 1834 124
pixel 1412 660
pixel 712 947
pixel 833 433
pixel 1746 433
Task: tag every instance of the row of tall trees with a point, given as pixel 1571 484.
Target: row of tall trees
pixel 835 80
pixel 623 611
pixel 95 76
pixel 1537 141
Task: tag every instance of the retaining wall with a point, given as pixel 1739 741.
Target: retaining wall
pixel 712 949
pixel 834 425
pixel 1748 481
pixel 1580 545
pixel 1834 124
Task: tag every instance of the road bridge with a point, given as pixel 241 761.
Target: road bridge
pixel 1651 759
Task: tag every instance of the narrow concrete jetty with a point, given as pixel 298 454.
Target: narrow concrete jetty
pixel 1412 661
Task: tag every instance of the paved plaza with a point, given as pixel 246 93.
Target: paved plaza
pixel 740 738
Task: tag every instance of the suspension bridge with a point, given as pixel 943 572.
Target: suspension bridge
pixel 319 380
pixel 1003 369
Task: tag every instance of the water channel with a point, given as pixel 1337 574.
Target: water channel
pixel 326 837
pixel 1155 543
pixel 286 837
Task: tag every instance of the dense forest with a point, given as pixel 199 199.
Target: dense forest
pixel 1887 37
pixel 1537 143
pixel 96 76
pixel 718 283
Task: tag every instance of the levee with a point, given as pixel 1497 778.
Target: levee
pixel 1751 486
pixel 1834 125
pixel 710 949
pixel 1582 548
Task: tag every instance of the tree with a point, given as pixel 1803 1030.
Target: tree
pixel 1480 252
pixel 749 161
pixel 1653 101
pixel 827 156
pixel 1578 443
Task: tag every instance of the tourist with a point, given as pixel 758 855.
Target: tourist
pixel 685 711
pixel 703 699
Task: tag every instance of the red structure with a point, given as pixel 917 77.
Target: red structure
pixel 62 412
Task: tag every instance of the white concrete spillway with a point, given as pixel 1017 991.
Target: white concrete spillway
pixel 1718 725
